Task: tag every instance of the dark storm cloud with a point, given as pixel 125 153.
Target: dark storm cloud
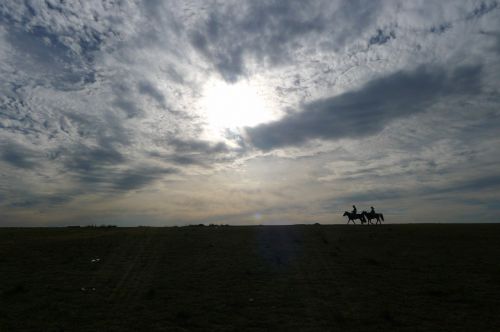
pixel 367 111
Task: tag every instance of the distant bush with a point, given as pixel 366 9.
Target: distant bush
pixel 210 225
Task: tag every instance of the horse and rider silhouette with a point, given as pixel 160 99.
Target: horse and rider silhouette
pixel 363 216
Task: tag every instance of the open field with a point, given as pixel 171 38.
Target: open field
pixel 261 278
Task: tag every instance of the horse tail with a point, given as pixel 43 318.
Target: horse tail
pixel 382 216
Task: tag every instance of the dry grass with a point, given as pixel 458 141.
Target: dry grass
pixel 262 278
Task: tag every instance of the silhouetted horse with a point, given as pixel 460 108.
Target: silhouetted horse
pixel 351 217
pixel 371 215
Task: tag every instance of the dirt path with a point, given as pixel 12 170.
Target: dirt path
pixel 138 274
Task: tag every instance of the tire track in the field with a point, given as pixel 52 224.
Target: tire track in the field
pixel 125 284
pixel 141 278
pixel 280 248
pixel 303 278
pixel 325 262
pixel 106 268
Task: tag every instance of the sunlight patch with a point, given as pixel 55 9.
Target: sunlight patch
pixel 233 106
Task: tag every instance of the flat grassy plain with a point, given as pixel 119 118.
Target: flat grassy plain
pixel 256 278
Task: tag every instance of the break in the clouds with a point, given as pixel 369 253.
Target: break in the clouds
pixel 168 112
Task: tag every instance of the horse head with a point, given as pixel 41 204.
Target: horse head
pixel 345 214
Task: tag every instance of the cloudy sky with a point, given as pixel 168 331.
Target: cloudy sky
pixel 248 112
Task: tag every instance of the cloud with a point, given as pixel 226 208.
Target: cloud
pixel 106 169
pixel 196 145
pixel 100 99
pixel 87 159
pixel 128 106
pixel 149 89
pixel 447 190
pixel 441 28
pixel 368 110
pixel 484 8
pixel 140 177
pixel 18 156
pixel 198 152
pixel 490 181
pixel 271 32
pixel 42 201
pixel 382 37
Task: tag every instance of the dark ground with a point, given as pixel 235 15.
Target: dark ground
pixel 262 278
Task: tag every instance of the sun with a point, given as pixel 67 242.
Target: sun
pixel 234 106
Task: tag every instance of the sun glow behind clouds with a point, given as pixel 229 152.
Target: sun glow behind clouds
pixel 233 106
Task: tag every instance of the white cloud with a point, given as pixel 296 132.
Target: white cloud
pixel 103 95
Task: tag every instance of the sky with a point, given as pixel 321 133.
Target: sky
pixel 248 112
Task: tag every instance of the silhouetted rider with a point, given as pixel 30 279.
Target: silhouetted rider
pixel 354 210
pixel 372 211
